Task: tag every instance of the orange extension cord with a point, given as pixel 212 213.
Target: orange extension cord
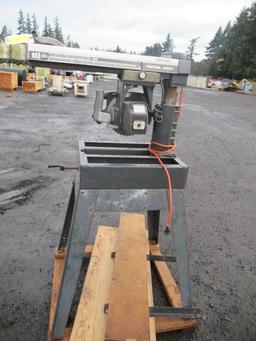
pixel 157 153
pixel 167 149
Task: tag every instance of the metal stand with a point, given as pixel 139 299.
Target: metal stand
pixel 119 177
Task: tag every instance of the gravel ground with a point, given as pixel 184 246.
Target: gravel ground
pixel 216 138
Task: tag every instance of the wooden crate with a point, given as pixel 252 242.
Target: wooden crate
pixel 32 86
pixel 8 80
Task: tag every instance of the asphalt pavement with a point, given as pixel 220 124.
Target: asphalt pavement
pixel 216 137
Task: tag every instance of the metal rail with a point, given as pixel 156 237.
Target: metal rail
pixel 101 61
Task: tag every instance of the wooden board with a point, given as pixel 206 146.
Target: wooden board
pixel 128 315
pixel 32 86
pixel 90 321
pixel 167 324
pixel 8 80
pixel 156 325
pixel 168 282
pixel 57 273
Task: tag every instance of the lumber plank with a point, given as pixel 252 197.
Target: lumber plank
pixel 90 321
pixel 87 251
pixel 168 324
pixel 57 273
pixel 169 284
pixel 128 315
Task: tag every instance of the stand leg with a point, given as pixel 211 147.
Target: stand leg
pixel 181 248
pixel 68 220
pixel 153 225
pixel 81 222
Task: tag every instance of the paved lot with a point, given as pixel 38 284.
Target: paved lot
pixel 216 138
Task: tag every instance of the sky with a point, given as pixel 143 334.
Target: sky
pixel 133 24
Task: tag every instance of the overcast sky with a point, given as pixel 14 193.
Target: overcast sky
pixel 133 24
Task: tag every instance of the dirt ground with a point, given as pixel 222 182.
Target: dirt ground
pixel 216 138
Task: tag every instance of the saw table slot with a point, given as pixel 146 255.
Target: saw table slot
pixel 117 159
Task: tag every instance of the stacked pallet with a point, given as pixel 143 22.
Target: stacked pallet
pixel 8 80
pixel 117 292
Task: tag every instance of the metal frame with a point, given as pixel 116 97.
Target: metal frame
pixel 93 195
pixel 101 61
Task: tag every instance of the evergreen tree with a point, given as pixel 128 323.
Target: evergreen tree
pixel 45 29
pixel 191 49
pixel 118 49
pixel 240 62
pixel 28 24
pixel 232 52
pixel 68 41
pixel 153 50
pixel 50 31
pixel 4 33
pixel 215 54
pixel 168 45
pixel 34 23
pixel 214 44
pixel 75 45
pixel 21 23
pixel 57 31
pixel 200 68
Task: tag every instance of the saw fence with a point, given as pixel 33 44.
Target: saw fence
pixel 116 302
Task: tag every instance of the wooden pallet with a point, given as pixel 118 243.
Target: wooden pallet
pixel 122 281
pixel 32 86
pixel 8 81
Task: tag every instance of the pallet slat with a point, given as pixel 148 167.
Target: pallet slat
pixel 168 282
pixel 128 315
pixel 57 273
pixel 167 324
pixel 90 321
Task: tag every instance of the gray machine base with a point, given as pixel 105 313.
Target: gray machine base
pixel 85 201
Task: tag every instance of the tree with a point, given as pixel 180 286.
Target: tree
pixel 153 50
pixel 28 24
pixel 70 43
pixel 4 33
pixel 215 54
pixel 240 59
pixel 118 49
pixel 191 49
pixel 200 68
pixel 168 45
pixel 232 51
pixel 57 31
pixel 50 31
pixel 75 45
pixel 21 23
pixel 45 29
pixel 35 26
pixel 214 44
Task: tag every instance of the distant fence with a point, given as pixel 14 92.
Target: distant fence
pixel 197 82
